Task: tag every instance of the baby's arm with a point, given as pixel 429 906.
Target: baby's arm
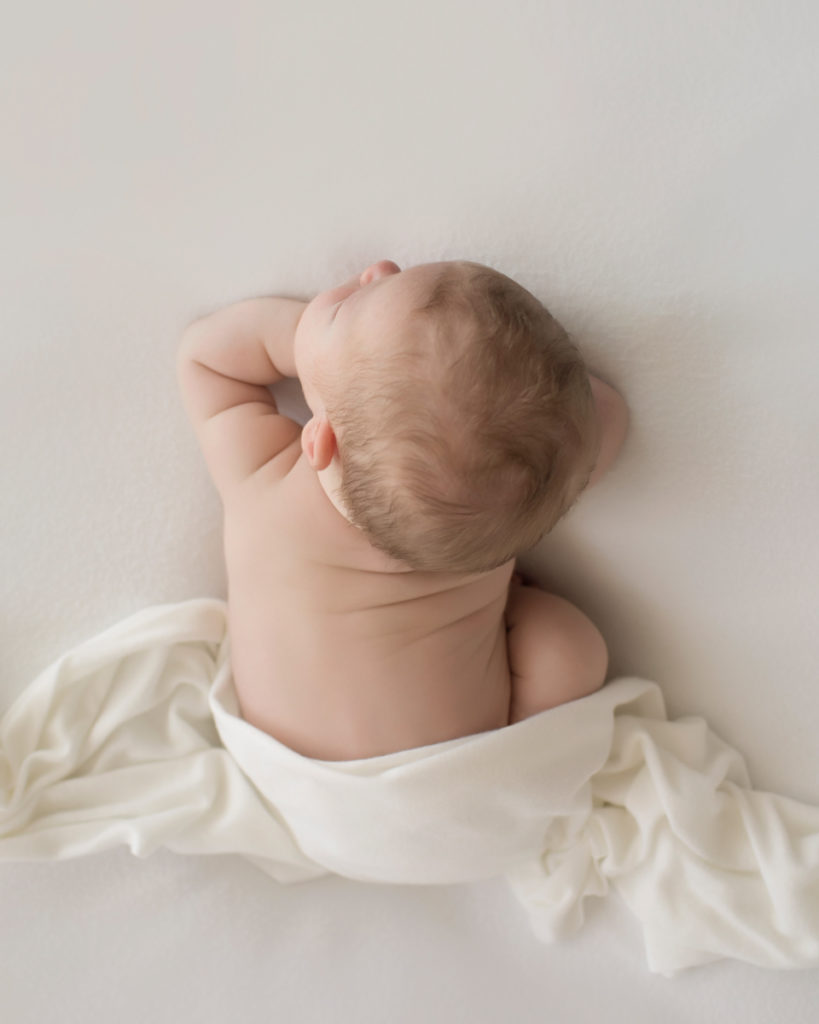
pixel 225 363
pixel 613 415
pixel 250 341
pixel 556 654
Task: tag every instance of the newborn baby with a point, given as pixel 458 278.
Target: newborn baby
pixel 372 600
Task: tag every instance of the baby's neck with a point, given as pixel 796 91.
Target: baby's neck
pixel 330 480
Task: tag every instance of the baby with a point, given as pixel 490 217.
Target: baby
pixel 372 600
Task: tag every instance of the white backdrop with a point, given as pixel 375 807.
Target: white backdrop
pixel 649 171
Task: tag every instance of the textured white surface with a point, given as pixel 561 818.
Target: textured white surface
pixel 648 170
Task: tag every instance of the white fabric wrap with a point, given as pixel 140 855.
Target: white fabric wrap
pixel 134 737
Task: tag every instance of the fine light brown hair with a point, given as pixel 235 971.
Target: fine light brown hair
pixel 463 448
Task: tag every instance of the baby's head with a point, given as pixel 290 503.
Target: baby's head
pixel 453 420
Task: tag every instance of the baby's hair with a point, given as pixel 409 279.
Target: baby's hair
pixel 465 446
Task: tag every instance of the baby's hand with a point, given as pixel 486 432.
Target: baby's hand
pixel 613 417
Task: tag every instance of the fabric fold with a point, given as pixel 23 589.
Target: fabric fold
pixel 114 744
pixel 135 738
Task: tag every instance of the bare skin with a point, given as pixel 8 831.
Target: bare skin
pixel 337 651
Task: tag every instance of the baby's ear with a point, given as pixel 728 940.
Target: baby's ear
pixel 308 439
pixel 318 442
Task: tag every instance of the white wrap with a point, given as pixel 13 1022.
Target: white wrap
pixel 134 737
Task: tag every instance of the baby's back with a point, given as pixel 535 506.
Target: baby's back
pixel 341 653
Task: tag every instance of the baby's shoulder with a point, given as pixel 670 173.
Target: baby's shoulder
pixel 267 503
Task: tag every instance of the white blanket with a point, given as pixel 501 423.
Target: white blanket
pixel 134 738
